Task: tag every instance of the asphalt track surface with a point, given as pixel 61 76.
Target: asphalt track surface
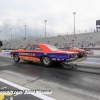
pixel 65 83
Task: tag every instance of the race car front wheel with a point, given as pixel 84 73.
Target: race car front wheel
pixel 16 58
pixel 46 61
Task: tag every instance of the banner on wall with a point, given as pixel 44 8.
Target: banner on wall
pixel 5 52
pixel 0 50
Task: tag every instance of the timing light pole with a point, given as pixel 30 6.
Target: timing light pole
pixel 0 35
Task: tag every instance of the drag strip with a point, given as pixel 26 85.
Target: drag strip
pixel 65 83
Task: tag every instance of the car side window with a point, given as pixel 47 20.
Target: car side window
pixel 37 47
pixel 33 47
pixel 28 48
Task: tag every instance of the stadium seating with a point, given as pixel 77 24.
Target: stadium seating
pixel 79 40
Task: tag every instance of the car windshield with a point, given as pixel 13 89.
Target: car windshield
pixel 52 47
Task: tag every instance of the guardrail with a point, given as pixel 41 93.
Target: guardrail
pixel 90 52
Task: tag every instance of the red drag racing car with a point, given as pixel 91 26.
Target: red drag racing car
pixel 81 52
pixel 44 53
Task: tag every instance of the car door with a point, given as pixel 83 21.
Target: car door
pixel 37 53
pixel 28 53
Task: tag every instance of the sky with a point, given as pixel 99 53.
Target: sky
pixel 15 14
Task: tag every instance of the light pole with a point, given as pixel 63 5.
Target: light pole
pixel 11 34
pixel 25 31
pixel 0 35
pixel 74 21
pixel 45 27
pixel 85 31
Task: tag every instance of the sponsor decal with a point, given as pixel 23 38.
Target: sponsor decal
pixel 27 54
pixel 62 59
pixel 0 50
pixel 58 59
pixel 8 54
pixel 25 57
pixel 45 53
pixel 36 60
pixel 53 58
pixel 6 50
pixel 4 53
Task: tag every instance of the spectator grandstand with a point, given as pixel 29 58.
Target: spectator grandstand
pixel 91 39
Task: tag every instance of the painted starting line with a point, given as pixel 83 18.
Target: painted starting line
pixel 13 86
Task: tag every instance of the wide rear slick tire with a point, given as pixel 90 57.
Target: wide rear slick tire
pixel 46 61
pixel 16 58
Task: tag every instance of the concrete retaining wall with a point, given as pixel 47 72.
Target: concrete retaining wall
pixel 7 52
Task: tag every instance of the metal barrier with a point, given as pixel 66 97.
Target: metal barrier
pixel 90 52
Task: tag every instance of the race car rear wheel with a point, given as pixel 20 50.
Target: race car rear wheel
pixel 16 58
pixel 46 61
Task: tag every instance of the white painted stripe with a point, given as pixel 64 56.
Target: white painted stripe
pixel 23 88
pixel 3 87
pixel 11 98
